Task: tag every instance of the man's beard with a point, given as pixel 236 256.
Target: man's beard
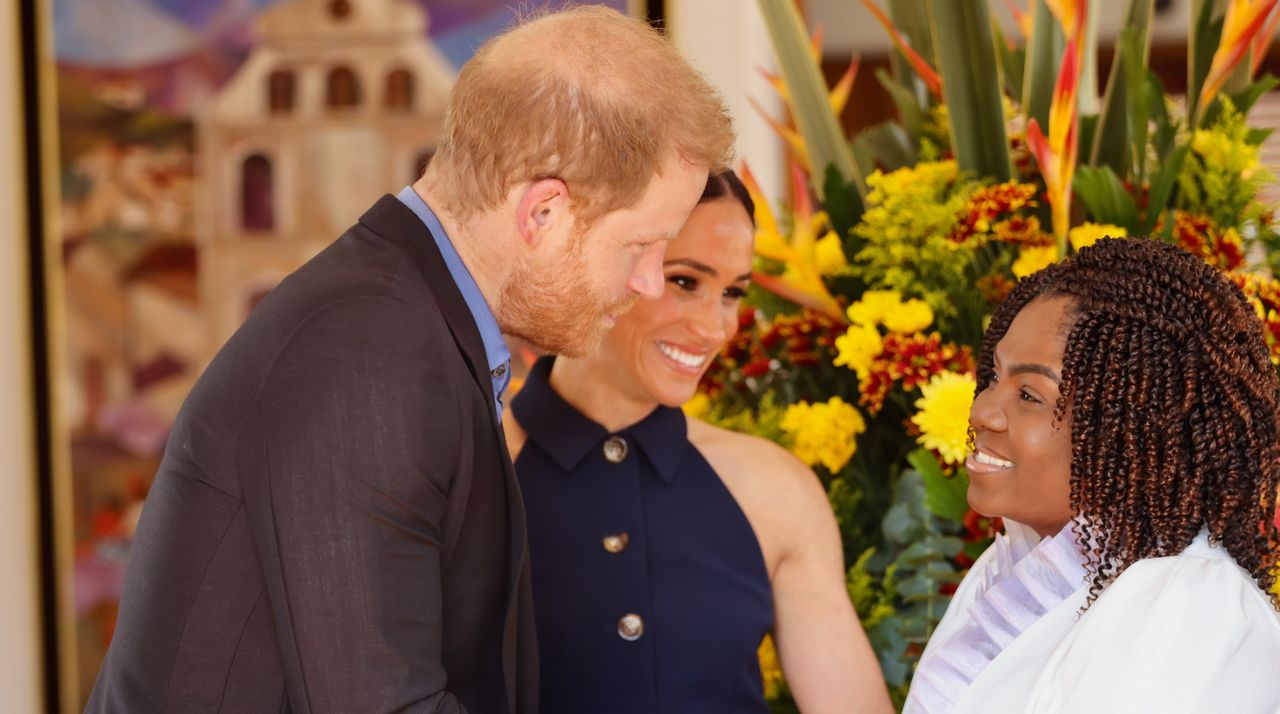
pixel 554 310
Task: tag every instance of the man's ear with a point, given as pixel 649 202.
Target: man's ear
pixel 542 207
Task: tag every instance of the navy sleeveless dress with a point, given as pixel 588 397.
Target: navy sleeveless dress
pixel 650 588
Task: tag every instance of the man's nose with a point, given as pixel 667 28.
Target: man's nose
pixel 647 280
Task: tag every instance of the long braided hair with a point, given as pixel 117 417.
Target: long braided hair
pixel 1173 403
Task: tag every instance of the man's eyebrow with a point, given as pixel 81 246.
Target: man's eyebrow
pixel 655 237
pixel 1036 369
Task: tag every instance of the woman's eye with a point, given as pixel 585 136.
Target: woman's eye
pixel 735 293
pixel 683 282
pixel 1029 397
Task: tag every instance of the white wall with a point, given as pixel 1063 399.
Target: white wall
pixel 726 40
pixel 20 651
pixel 849 27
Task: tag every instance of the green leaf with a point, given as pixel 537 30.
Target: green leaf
pixel 886 145
pixel 1138 101
pixel 1124 88
pixel 1206 30
pixel 891 647
pixel 1162 139
pixel 810 106
pixel 843 207
pixel 971 83
pixel 1088 128
pixel 911 17
pixel 1013 61
pixel 1103 194
pixel 1245 100
pixel 1255 137
pixel 910 112
pixel 944 497
pixel 907 520
pixel 1162 184
pixel 1044 53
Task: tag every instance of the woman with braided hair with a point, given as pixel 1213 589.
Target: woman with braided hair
pixel 1125 428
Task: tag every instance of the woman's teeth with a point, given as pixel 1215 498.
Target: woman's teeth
pixel 983 457
pixel 685 358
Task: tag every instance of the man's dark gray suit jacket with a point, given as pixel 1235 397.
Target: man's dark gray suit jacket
pixel 335 525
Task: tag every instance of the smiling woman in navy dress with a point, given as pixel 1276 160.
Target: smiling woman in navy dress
pixel 664 549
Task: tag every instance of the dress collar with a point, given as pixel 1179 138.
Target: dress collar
pixel 567 435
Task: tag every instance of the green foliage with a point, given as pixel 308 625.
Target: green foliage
pixel 909 216
pixel 945 496
pixel 809 103
pixel 1044 53
pixel 1223 174
pixel 1106 198
pixel 971 81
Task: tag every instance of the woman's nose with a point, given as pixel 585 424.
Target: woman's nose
pixel 707 324
pixel 986 414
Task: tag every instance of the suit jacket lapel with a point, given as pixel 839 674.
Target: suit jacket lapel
pixel 393 220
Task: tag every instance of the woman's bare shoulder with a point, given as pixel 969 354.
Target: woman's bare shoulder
pixel 762 462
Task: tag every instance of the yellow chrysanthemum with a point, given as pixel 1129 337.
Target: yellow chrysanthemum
pixel 943 418
pixel 1083 236
pixel 770 668
pixel 873 307
pixel 1033 258
pixel 912 316
pixel 697 406
pixel 823 433
pixel 828 254
pixel 857 348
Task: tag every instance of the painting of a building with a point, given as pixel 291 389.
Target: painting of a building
pixel 339 102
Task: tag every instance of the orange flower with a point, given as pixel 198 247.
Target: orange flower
pixel 1197 234
pixel 912 360
pixel 837 97
pixel 922 67
pixel 1240 29
pixel 1021 18
pixel 988 204
pixel 1057 154
pixel 801 281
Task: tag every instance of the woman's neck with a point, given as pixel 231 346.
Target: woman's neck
pixel 600 391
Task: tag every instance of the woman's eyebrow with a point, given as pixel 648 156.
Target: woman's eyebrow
pixel 1036 369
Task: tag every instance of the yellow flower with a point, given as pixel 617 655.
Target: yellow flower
pixel 770 669
pixel 1083 236
pixel 697 406
pixel 1220 149
pixel 1034 258
pixel 873 307
pixel 912 316
pixel 943 418
pixel 823 432
pixel 857 348
pixel 829 254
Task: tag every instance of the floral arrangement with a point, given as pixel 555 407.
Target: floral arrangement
pixel 873 287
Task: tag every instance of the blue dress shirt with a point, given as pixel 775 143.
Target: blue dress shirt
pixel 495 348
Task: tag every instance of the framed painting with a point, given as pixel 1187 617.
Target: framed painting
pixel 199 151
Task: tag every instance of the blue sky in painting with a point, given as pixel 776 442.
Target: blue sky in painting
pixel 136 33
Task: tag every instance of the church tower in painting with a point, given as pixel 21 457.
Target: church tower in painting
pixel 340 102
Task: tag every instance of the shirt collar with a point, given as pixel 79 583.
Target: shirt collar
pixel 567 435
pixel 495 348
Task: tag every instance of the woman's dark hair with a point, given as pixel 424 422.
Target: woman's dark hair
pixel 727 184
pixel 1173 404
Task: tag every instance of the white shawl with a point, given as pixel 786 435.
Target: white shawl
pixel 1187 633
